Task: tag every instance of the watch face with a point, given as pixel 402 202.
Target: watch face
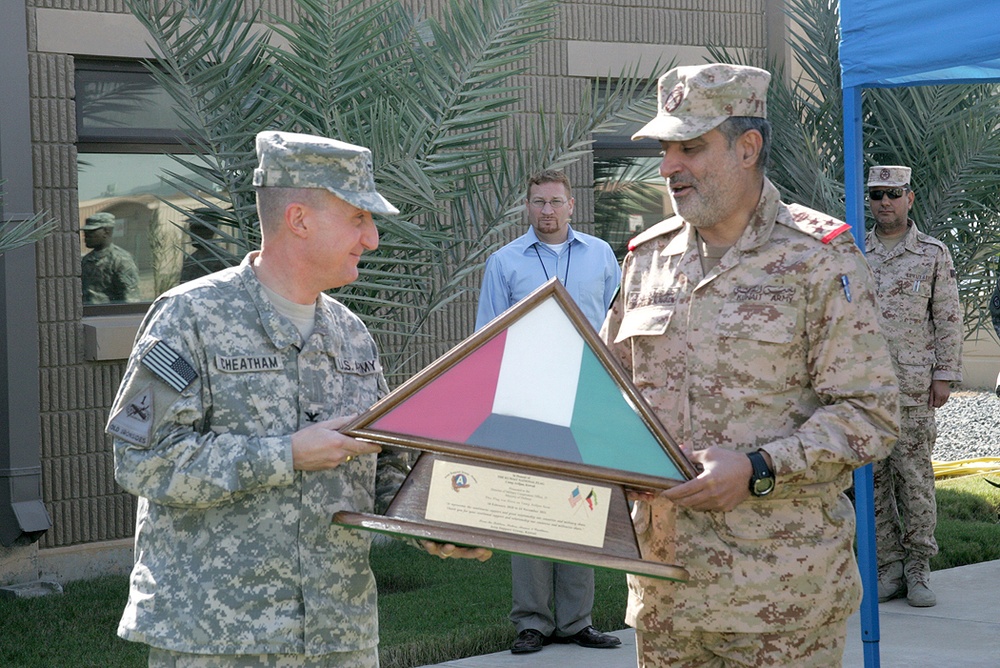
pixel 763 486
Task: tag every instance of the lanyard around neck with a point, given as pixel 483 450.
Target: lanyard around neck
pixel 569 257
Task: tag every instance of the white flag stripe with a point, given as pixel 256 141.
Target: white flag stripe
pixel 540 368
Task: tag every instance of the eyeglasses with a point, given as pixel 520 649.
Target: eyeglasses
pixel 893 193
pixel 556 203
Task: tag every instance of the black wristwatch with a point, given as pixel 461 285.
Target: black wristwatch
pixel 762 479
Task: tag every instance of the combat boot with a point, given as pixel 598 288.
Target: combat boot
pixel 891 583
pixel 918 594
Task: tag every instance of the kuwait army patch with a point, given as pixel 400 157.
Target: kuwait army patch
pixel 134 420
pixel 168 366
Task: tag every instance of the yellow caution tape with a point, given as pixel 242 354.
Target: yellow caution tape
pixel 964 467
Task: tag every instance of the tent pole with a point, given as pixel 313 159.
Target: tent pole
pixel 863 486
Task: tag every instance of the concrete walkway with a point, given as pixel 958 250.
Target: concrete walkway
pixel 961 631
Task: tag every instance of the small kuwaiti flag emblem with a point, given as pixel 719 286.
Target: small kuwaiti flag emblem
pixel 168 366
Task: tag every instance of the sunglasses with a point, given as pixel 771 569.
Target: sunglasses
pixel 893 193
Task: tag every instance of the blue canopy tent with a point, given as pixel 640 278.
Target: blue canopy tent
pixel 885 43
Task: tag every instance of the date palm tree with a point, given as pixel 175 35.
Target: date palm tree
pixel 433 97
pixel 949 135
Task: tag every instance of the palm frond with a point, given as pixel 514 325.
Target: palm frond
pixel 17 233
pixel 434 98
pixel 948 135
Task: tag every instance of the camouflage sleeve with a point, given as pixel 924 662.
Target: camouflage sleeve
pixel 946 316
pixel 995 308
pixel 612 323
pixel 851 373
pixel 393 467
pixel 162 450
pixel 128 276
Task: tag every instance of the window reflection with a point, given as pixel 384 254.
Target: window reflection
pixel 151 224
pixel 141 240
pixel 629 196
pixel 121 101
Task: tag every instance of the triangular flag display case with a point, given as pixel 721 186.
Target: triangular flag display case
pixel 530 432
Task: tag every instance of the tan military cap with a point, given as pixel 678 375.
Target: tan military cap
pixel 890 176
pixel 99 220
pixel 695 99
pixel 292 160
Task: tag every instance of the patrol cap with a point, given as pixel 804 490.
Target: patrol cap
pixel 99 220
pixel 292 160
pixel 890 176
pixel 695 99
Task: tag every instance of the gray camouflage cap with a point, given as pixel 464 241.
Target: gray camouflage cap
pixel 695 99
pixel 890 176
pixel 292 160
pixel 99 220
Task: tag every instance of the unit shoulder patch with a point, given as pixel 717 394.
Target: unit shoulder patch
pixel 134 421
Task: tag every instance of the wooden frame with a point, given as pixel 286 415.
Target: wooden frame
pixel 406 418
pixel 362 426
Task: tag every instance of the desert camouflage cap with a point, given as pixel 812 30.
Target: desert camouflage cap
pixel 99 220
pixel 890 176
pixel 292 160
pixel 695 99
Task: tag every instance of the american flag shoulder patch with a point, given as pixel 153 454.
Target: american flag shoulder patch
pixel 168 366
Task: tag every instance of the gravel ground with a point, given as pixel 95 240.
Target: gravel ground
pixel 968 427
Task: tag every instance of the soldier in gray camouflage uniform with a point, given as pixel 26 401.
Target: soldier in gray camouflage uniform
pixel 225 427
pixel 108 271
pixel 751 328
pixel 921 317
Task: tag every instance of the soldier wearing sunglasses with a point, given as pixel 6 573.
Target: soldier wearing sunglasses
pixel 918 299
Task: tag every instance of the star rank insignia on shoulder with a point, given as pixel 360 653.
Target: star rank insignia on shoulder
pixel 817 225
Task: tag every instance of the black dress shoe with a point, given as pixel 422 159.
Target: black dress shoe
pixel 590 637
pixel 528 641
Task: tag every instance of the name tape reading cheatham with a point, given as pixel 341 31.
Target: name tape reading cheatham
pixel 251 363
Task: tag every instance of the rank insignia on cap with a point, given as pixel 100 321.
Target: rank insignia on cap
pixel 675 98
pixel 168 366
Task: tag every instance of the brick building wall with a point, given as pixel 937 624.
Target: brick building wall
pixel 85 505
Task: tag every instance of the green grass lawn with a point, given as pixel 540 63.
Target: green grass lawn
pixel 430 610
pixel 968 531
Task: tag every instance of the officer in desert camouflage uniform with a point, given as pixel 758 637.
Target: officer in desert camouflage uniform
pixel 108 271
pixel 918 296
pixel 751 328
pixel 225 427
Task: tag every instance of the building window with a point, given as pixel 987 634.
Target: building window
pixel 629 193
pixel 134 241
